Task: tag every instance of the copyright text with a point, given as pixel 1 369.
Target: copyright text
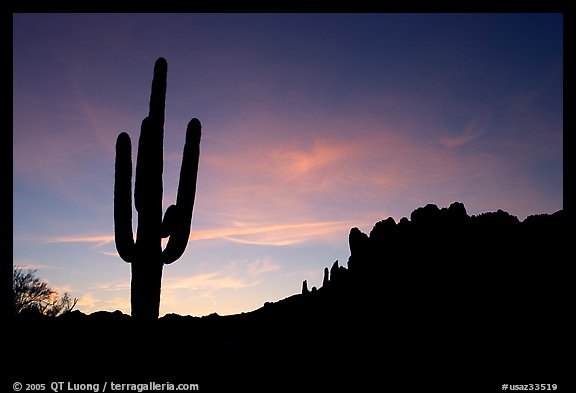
pixel 60 386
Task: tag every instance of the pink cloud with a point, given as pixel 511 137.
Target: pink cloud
pixel 278 235
pixel 293 174
pixel 263 266
pixel 30 265
pixel 458 140
pixel 207 281
pixel 349 168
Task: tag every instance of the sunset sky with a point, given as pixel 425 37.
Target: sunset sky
pixel 312 124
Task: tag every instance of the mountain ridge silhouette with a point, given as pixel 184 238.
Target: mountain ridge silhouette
pixel 440 285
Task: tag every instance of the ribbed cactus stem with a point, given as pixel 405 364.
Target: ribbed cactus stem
pixel 181 213
pixel 145 253
pixel 123 199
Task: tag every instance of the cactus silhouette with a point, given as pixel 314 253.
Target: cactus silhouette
pixel 145 254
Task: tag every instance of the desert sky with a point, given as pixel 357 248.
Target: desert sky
pixel 312 124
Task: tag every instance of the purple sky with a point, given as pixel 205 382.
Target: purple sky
pixel 312 124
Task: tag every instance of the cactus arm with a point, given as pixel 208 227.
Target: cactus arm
pixel 123 235
pixel 186 194
pixel 168 223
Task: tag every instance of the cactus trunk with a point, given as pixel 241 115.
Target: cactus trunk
pixel 145 289
pixel 146 254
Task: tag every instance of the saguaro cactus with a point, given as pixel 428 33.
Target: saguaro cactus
pixel 146 255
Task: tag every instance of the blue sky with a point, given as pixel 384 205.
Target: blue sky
pixel 312 124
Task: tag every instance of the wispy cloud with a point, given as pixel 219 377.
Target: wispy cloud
pixel 110 253
pixel 262 266
pixel 457 140
pixel 211 281
pixel 111 286
pixel 471 132
pixel 100 240
pixel 336 176
pixel 30 265
pixel 277 235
